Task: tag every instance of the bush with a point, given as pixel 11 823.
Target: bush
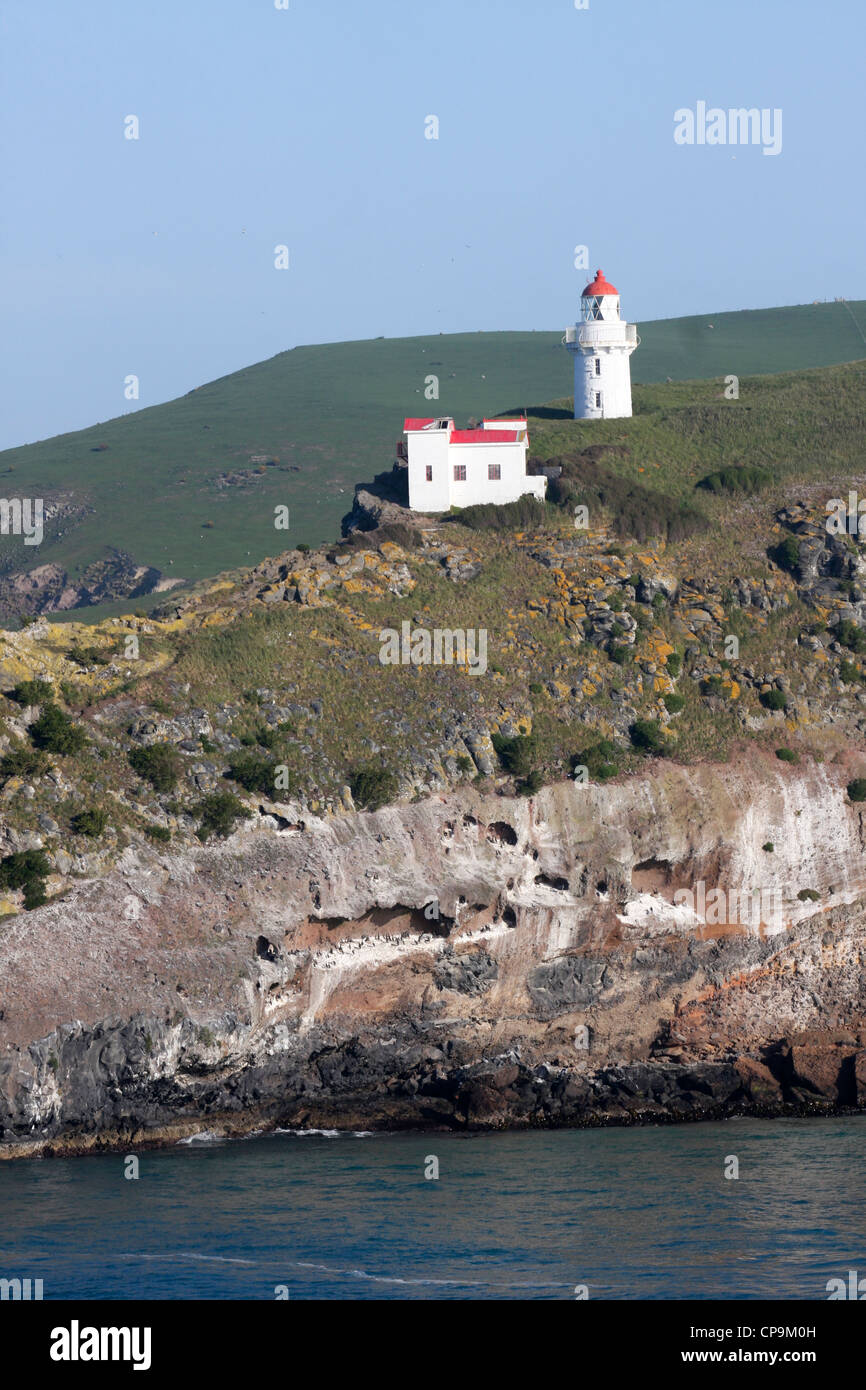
pixel 56 733
pixel 808 895
pixel 23 762
pixel 254 772
pixel 31 692
pixel 674 664
pixel 91 821
pixel 597 758
pixel 525 514
pixel 218 813
pixel 303 547
pixel 530 784
pixel 160 833
pixel 857 789
pixel 646 735
pixel 636 510
pixel 515 754
pixel 536 688
pixel 851 636
pixel 849 673
pixel 26 869
pixel 787 554
pixel 774 699
pixel 373 786
pixel 674 703
pixel 465 766
pixel 768 846
pixel 159 765
pixel 733 480
pixel 787 755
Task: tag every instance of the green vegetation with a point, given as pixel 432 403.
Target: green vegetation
pixel 159 764
pixel 526 513
pixel 674 703
pixel 808 895
pixel 218 814
pixel 56 733
pixel 646 734
pixel 733 480
pixel 851 636
pixel 27 869
pixel 253 772
pixel 160 833
pixel 787 755
pixel 31 692
pixel 857 789
pixel 91 821
pixel 787 554
pixel 774 699
pixel 598 759
pixel 768 846
pixel 373 786
pixel 24 762
pixel 516 754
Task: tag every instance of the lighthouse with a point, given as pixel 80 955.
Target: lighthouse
pixel 602 344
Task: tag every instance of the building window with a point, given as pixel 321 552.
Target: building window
pixel 494 471
pixel 598 366
pixel 428 472
pixel 460 472
pixel 598 400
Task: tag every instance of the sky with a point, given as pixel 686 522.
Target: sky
pixel 307 127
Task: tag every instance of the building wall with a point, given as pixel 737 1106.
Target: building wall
pixel 613 383
pixel 428 447
pixel 431 448
pixel 478 487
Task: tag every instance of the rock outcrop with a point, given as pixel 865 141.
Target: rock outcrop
pixel 466 960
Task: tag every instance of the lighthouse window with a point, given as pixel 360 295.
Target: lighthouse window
pixel 598 400
pixel 429 472
pixel 494 471
pixel 460 472
pixel 598 366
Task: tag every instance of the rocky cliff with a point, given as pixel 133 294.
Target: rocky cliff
pixel 465 960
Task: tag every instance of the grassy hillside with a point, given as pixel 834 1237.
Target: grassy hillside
pixel 327 416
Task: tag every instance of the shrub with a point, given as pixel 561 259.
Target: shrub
pixel 159 765
pixel 674 664
pixel 89 656
pixel 787 554
pixel 787 755
pixel 536 688
pixel 31 692
pixel 465 766
pixel 636 510
pixel 774 699
pixel 732 480
pixel 597 758
pixel 524 514
pixel 218 813
pixel 373 786
pixel 26 869
pixel 619 654
pixel 808 895
pixel 851 636
pixel 56 733
pixel 23 762
pixel 254 772
pixel 857 789
pixel 646 735
pixel 303 547
pixel 91 821
pixel 515 754
pixel 849 673
pixel 530 784
pixel 768 846
pixel 674 703
pixel 160 833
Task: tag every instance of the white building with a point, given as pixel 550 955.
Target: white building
pixel 457 468
pixel 602 344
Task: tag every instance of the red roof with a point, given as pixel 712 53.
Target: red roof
pixel 485 436
pixel 599 286
pixel 413 423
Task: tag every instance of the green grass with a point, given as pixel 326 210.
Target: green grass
pixel 330 415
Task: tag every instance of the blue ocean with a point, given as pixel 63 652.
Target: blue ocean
pixel 639 1213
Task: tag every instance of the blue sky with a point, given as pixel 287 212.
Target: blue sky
pixel 306 127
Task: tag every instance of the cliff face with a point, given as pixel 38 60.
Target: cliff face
pixel 465 960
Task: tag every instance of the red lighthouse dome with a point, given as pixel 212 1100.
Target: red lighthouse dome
pixel 599 286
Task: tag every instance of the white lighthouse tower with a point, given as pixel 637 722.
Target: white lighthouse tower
pixel 602 344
